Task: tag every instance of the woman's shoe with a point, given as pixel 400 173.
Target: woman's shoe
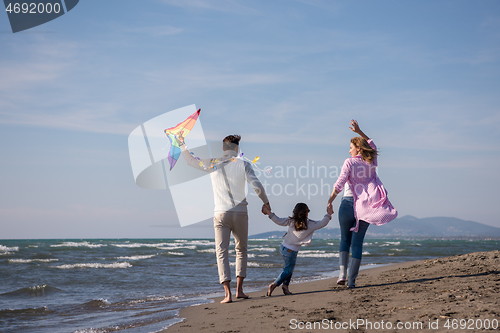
pixel 343 264
pixel 353 272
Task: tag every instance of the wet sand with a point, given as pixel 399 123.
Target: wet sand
pixel 458 293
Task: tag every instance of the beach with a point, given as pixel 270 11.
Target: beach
pixel 456 293
pixel 148 285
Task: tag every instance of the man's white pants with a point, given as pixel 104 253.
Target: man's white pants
pixel 224 223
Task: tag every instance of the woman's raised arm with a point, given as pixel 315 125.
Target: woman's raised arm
pixel 355 128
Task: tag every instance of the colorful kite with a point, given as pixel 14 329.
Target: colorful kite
pixel 181 130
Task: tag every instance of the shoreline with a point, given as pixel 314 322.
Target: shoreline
pixel 427 294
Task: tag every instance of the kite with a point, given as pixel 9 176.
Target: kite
pixel 181 130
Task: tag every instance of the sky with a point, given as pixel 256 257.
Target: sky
pixel 422 79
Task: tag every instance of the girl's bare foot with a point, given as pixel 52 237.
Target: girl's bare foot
pixel 285 290
pixel 272 286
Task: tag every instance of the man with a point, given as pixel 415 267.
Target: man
pixel 228 174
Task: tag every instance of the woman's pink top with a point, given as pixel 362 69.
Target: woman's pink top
pixel 371 203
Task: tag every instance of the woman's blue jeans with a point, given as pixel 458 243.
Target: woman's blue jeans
pixel 290 257
pixel 349 239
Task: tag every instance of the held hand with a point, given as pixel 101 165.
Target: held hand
pixel 180 138
pixel 266 209
pixel 329 209
pixel 354 126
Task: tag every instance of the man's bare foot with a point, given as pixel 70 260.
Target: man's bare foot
pixel 286 291
pixel 226 300
pixel 242 295
pixel 227 292
pixel 272 286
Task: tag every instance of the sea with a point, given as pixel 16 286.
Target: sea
pixel 139 285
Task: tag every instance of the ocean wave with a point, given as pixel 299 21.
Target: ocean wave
pixel 171 299
pixel 266 249
pixel 95 265
pixel 138 257
pixel 98 330
pixel 28 311
pixel 207 251
pixel 390 243
pixel 26 261
pixel 187 247
pixel 81 244
pixel 201 243
pixel 312 251
pixel 318 255
pixel 253 264
pixel 175 253
pixel 366 253
pixel 38 290
pixel 136 245
pixel 8 249
pixel 97 303
pixel 160 246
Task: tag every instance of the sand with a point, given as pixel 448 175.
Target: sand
pixel 439 295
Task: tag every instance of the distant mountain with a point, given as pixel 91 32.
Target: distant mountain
pixel 409 226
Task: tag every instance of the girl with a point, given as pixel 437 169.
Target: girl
pixel 300 232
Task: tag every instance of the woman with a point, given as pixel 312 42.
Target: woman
pixel 365 202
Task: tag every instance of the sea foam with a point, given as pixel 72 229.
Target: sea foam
pixel 138 257
pixel 95 265
pixel 8 249
pixel 75 244
pixel 26 261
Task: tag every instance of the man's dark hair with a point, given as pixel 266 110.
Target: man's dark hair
pixel 230 141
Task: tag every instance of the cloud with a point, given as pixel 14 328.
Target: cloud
pixel 38 61
pixel 101 118
pixel 157 31
pixel 214 5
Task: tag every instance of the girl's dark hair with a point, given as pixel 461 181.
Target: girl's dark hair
pixel 300 216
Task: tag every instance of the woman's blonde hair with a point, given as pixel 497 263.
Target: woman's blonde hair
pixel 300 216
pixel 367 152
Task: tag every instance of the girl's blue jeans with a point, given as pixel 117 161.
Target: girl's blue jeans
pixel 290 257
pixel 350 240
